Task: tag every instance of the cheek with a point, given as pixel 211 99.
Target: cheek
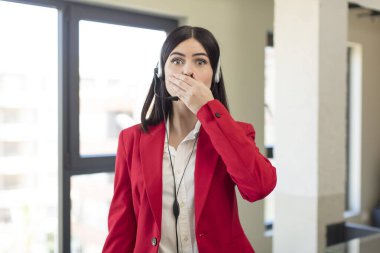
pixel 206 78
pixel 170 70
pixel 168 87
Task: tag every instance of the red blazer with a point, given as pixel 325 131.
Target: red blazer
pixel 226 156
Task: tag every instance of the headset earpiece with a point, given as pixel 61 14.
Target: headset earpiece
pixel 217 72
pixel 159 69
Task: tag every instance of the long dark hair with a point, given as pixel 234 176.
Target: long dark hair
pixel 163 106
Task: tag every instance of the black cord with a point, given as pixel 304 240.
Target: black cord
pixel 176 208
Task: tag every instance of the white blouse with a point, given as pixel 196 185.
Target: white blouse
pixel 186 222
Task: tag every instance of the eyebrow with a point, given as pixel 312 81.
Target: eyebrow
pixel 183 55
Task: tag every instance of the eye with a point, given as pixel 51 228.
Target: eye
pixel 177 61
pixel 201 61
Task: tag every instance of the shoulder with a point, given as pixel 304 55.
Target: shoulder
pixel 131 130
pixel 128 135
pixel 247 127
pixel 135 132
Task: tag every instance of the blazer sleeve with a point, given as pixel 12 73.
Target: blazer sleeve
pixel 121 218
pixel 253 174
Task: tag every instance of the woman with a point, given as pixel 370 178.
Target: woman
pixel 176 171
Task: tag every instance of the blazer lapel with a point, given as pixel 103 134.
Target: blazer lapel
pixel 205 165
pixel 151 153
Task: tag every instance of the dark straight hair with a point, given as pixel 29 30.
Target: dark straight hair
pixel 163 107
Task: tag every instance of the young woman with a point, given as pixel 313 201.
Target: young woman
pixel 176 172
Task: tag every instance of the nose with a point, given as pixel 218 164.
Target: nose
pixel 188 70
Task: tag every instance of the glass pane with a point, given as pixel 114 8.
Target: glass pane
pixel 28 129
pixel 269 138
pixel 116 67
pixel 90 199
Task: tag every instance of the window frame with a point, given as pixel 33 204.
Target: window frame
pixel 77 12
pixel 73 163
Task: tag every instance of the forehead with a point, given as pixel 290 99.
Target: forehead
pixel 189 47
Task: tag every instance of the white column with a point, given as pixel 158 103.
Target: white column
pixel 310 46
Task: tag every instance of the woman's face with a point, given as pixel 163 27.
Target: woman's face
pixel 190 58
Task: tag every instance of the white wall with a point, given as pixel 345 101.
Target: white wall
pixel 310 47
pixel 240 27
pixel 367 33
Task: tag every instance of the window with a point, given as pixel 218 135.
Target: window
pixel 110 68
pixel 269 113
pixel 114 52
pixel 89 227
pixel 353 128
pixel 118 60
pixel 71 77
pixel 28 128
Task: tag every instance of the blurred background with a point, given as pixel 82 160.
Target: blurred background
pixel 73 74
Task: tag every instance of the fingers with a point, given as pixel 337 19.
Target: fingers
pixel 190 91
pixel 183 82
pixel 174 90
pixel 190 80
